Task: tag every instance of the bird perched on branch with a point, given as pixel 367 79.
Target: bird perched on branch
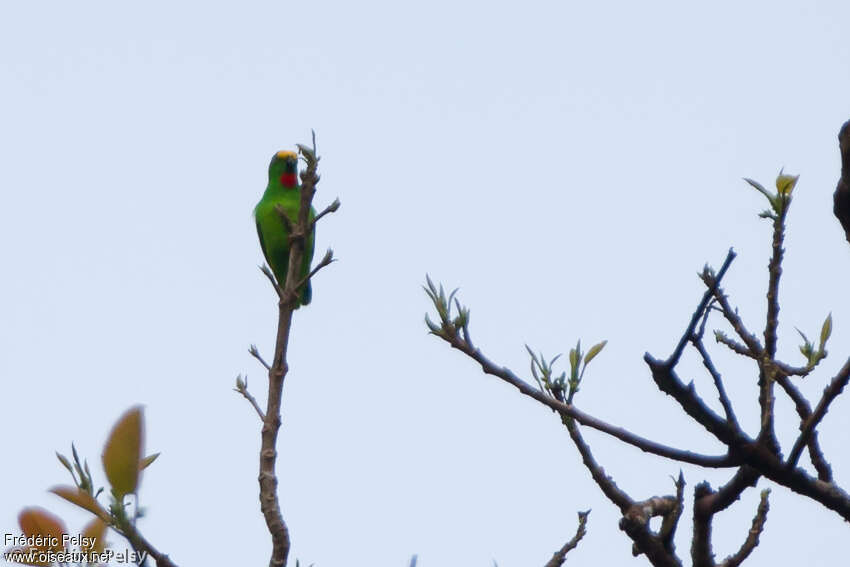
pixel 284 192
pixel 841 197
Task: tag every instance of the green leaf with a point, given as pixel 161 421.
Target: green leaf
pixel 65 462
pixel 593 351
pixel 825 331
pixel 786 183
pixel 773 199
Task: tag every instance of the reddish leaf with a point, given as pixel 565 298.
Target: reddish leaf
pixel 82 499
pixel 95 531
pixel 39 523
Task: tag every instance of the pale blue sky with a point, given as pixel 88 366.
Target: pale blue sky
pixel 569 166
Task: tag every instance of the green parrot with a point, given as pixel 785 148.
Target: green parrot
pixel 283 190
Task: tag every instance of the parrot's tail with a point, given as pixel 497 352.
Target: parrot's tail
pixel 307 294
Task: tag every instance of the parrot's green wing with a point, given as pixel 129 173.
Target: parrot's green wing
pixel 262 242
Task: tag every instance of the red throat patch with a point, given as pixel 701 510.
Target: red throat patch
pixel 288 180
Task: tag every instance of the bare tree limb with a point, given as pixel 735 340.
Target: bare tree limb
pixel 696 340
pixel 605 483
pixel 752 540
pixel 695 318
pixel 256 354
pixel 139 543
pixel 804 410
pixel 831 392
pixel 242 388
pixel 642 443
pixel 332 208
pixel 561 555
pixel 734 345
pixel 636 515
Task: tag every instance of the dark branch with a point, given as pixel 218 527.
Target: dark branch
pixel 831 392
pixel 752 540
pixel 718 380
pixel 804 410
pixel 695 318
pixel 561 555
pixel 636 516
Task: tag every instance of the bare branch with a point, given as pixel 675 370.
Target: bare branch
pixel 139 543
pixel 256 354
pixel 636 515
pixel 804 410
pixel 707 503
pixel 831 392
pixel 734 345
pixel 702 554
pixel 326 260
pixel 332 208
pixel 695 318
pixel 448 331
pixel 671 519
pixel 668 382
pixel 712 502
pixel 242 388
pixel 268 273
pixel 734 319
pixel 606 484
pixel 561 555
pixel 752 540
pixel 635 522
pixel 718 381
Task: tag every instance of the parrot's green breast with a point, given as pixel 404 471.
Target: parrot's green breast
pixel 274 238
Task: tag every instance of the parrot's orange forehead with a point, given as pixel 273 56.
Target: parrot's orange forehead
pixel 283 154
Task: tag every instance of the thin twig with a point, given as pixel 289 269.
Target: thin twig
pixel 242 388
pixel 804 410
pixel 734 345
pixel 561 555
pixel 752 540
pixel 642 443
pixel 332 208
pixel 680 347
pixel 448 331
pixel 636 515
pixel 718 382
pixel 831 392
pixel 734 319
pixel 605 483
pixel 256 354
pixel 327 260
pixel 671 520
pixel 268 273
pixel 137 540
